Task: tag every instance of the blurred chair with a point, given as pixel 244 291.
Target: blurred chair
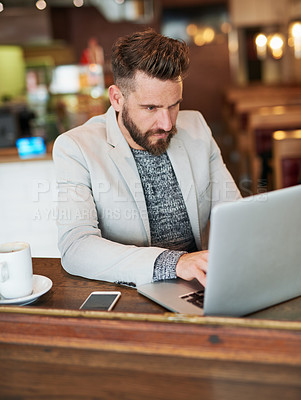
pixel 240 103
pixel 8 128
pixel 261 126
pixel 287 158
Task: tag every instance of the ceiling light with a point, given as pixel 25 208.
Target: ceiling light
pixel 295 31
pixel 41 4
pixel 78 3
pixel 261 45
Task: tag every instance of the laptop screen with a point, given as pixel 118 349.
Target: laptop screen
pixel 31 147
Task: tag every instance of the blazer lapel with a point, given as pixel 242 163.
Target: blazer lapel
pixel 122 157
pixel 181 165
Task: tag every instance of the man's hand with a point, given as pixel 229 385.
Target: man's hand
pixel 193 265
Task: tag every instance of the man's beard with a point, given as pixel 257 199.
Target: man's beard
pixel 143 139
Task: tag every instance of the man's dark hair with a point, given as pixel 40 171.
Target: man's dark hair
pixel 155 55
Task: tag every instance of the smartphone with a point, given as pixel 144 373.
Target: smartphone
pixel 100 301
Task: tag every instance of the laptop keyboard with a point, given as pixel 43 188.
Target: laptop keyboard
pixel 195 298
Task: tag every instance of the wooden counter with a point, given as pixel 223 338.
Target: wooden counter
pixel 51 350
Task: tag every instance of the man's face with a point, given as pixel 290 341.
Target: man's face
pixel 148 114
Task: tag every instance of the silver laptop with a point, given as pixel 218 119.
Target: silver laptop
pixel 254 259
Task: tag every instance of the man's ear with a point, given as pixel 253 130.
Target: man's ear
pixel 116 97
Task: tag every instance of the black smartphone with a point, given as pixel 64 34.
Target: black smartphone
pixel 100 301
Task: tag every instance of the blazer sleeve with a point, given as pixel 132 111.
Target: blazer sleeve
pixel 84 251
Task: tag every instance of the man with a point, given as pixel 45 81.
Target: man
pixel 137 184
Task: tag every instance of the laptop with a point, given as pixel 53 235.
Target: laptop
pixel 254 259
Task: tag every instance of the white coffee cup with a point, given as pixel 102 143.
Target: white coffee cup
pixel 16 277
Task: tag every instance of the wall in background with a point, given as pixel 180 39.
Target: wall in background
pixel 12 71
pixel 209 72
pixel 20 25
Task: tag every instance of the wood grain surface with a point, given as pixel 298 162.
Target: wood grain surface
pixel 51 350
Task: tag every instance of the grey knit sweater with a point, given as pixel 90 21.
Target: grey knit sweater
pixel 169 222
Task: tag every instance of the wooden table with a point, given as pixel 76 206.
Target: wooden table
pixel 52 350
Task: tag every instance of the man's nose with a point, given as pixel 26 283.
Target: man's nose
pixel 164 121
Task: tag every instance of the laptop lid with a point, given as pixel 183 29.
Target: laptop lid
pixel 254 258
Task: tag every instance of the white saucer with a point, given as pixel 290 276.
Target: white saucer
pixel 41 285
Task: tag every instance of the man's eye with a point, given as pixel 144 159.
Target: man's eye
pixel 151 108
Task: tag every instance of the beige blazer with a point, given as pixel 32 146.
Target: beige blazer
pixel 103 227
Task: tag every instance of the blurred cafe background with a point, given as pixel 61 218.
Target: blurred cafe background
pixel 245 78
